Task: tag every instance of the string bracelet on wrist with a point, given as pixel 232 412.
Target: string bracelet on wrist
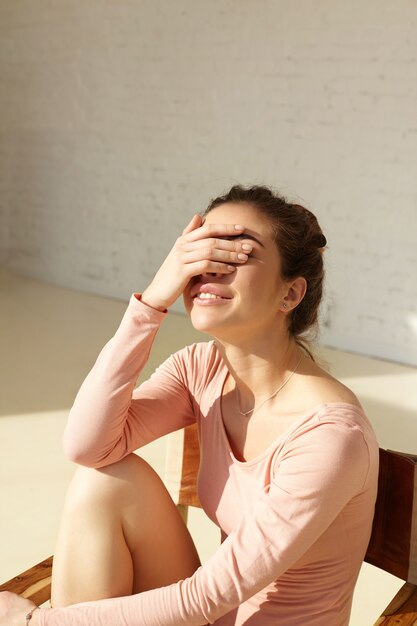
pixel 30 614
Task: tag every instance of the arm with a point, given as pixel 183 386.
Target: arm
pixel 308 491
pixel 109 417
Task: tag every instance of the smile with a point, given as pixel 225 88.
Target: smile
pixel 209 298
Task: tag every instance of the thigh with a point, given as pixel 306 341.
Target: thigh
pixel 121 533
pixel 159 541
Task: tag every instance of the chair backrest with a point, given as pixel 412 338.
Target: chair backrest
pixel 393 544
pixel 181 466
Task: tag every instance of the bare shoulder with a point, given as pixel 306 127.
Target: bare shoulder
pixel 321 387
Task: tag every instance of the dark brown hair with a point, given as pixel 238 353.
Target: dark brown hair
pixel 300 243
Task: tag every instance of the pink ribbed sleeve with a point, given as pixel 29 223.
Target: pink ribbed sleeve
pixel 109 418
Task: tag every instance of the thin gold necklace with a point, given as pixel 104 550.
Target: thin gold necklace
pixel 270 397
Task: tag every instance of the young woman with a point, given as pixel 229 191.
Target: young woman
pixel 289 460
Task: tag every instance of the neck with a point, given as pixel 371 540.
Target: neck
pixel 259 366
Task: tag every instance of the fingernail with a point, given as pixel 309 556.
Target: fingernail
pixel 231 268
pixel 239 227
pixel 242 257
pixel 247 247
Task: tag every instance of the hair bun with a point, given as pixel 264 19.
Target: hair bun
pixel 320 240
pixel 313 231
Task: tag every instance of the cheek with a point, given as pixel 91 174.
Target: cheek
pixel 254 289
pixel 262 287
pixel 257 277
pixel 246 278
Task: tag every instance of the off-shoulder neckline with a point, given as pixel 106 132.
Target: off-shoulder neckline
pixel 314 412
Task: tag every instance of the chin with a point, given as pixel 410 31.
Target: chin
pixel 202 322
pixel 218 327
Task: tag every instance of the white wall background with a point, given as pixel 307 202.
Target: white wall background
pixel 118 120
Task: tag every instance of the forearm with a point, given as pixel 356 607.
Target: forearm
pixel 97 418
pixel 153 608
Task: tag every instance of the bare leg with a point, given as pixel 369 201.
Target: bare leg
pixel 120 534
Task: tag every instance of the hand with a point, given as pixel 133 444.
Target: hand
pixel 198 250
pixel 14 608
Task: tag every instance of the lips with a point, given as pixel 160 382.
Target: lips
pixel 210 292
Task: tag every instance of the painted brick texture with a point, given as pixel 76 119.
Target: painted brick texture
pixel 119 120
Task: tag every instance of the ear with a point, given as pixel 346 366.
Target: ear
pixel 295 293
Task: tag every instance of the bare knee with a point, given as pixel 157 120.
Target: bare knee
pixel 116 484
pixel 127 494
pixel 125 512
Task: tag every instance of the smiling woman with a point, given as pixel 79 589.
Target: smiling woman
pixel 299 241
pixel 256 291
pixel 289 461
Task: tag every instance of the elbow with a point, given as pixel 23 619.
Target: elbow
pixel 82 452
pixel 77 456
pixel 77 452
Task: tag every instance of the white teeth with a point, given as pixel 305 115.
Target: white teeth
pixel 208 296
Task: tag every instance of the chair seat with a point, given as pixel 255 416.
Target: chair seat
pixel 33 584
pixel 402 610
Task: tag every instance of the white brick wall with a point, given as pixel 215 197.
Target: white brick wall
pixel 119 120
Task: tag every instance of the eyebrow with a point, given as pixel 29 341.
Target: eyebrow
pixel 243 236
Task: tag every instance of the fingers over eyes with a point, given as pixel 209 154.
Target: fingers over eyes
pixel 215 254
pixel 212 244
pixel 214 230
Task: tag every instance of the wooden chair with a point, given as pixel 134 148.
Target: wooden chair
pixel 393 543
pixel 390 549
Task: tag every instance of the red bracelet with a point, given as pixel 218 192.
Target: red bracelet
pixel 29 615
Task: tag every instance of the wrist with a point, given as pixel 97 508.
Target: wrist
pixel 36 620
pixel 153 301
pixel 32 617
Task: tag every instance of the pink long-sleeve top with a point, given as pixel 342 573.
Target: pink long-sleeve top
pixel 297 518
